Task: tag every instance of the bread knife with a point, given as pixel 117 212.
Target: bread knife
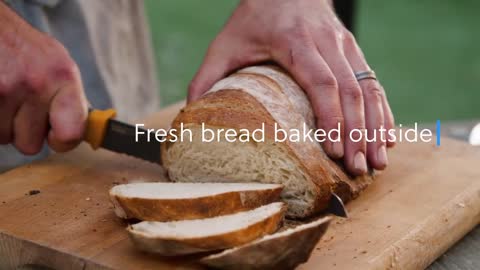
pixel 103 131
pixel 336 206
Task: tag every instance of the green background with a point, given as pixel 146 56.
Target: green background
pixel 424 52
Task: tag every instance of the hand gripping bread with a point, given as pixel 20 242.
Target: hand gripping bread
pixel 282 250
pixel 200 235
pixel 183 201
pixel 245 100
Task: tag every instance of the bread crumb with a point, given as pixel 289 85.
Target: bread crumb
pixel 33 192
pixel 389 226
pixel 363 252
pixel 87 199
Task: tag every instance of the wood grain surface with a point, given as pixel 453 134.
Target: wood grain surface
pixel 426 200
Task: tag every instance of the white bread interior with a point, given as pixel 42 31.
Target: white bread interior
pixel 179 191
pixel 193 236
pixel 186 201
pixel 222 161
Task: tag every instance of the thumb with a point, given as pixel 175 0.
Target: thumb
pixel 68 117
pixel 215 66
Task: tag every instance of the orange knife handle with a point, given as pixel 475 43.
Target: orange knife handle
pixel 97 126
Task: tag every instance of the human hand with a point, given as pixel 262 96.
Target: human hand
pixel 41 93
pixel 307 39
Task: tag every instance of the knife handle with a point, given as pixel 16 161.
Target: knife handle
pixel 97 125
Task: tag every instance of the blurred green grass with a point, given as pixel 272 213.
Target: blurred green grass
pixel 181 33
pixel 424 52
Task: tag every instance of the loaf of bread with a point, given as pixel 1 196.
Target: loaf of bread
pixel 245 100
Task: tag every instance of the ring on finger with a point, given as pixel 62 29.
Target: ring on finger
pixel 363 75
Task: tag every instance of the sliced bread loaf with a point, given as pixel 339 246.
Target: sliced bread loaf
pixel 282 250
pixel 245 100
pixel 184 201
pixel 193 236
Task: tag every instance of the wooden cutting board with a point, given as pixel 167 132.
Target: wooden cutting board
pixel 426 200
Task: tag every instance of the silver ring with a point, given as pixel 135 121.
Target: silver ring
pixel 363 75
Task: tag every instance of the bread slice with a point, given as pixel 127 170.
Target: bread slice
pixel 193 236
pixel 184 201
pixel 248 99
pixel 283 250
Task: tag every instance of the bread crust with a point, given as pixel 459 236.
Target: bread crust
pixel 193 208
pixel 283 250
pixel 182 246
pixel 266 94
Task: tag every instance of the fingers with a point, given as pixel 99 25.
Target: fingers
pixel 373 97
pixel 9 105
pixel 352 103
pixel 35 109
pixel 316 78
pixel 58 111
pixel 30 127
pixel 68 117
pixel 389 119
pixel 30 123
